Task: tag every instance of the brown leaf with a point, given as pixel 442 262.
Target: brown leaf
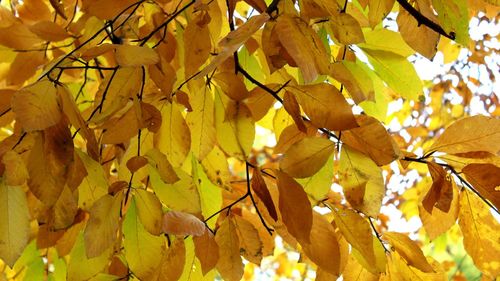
pixel 486 180
pixel 292 107
pixel 260 188
pixel 294 207
pixel 441 192
pixel 136 162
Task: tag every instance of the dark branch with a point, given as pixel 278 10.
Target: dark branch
pixel 456 174
pixel 421 19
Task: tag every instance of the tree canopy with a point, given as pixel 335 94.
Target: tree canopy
pixel 201 139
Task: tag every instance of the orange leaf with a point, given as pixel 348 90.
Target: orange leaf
pixel 207 251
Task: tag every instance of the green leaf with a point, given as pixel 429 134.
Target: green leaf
pixel 397 72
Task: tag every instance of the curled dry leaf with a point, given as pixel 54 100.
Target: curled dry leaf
pixel 180 223
pixel 260 188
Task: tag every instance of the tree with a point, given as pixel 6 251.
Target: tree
pixel 168 140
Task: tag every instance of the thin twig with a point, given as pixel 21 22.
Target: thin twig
pixel 379 237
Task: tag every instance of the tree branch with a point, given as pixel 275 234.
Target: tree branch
pixel 421 19
pixel 456 174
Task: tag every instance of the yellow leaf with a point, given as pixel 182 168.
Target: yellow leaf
pixel 354 271
pixel 49 31
pixel 362 181
pixel 80 267
pixel 159 161
pixel 372 139
pixel 250 243
pixel 325 106
pixel 409 250
pixel 294 207
pixel 229 265
pixel 181 195
pixel 475 133
pixel 323 248
pixel 37 106
pixel 481 233
pixel 234 40
pixel 15 172
pixel 216 167
pixel 234 126
pixel 197 51
pixel 378 10
pixel 149 210
pixel 102 226
pixel 173 138
pixel 357 82
pixel 207 251
pixel 346 29
pixel 398 269
pixel 143 250
pixel 131 55
pixel 397 72
pixel 306 157
pixel 94 185
pixel 201 121
pixel 14 222
pixel 303 45
pixel 386 40
pixel 179 223
pixel 358 233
